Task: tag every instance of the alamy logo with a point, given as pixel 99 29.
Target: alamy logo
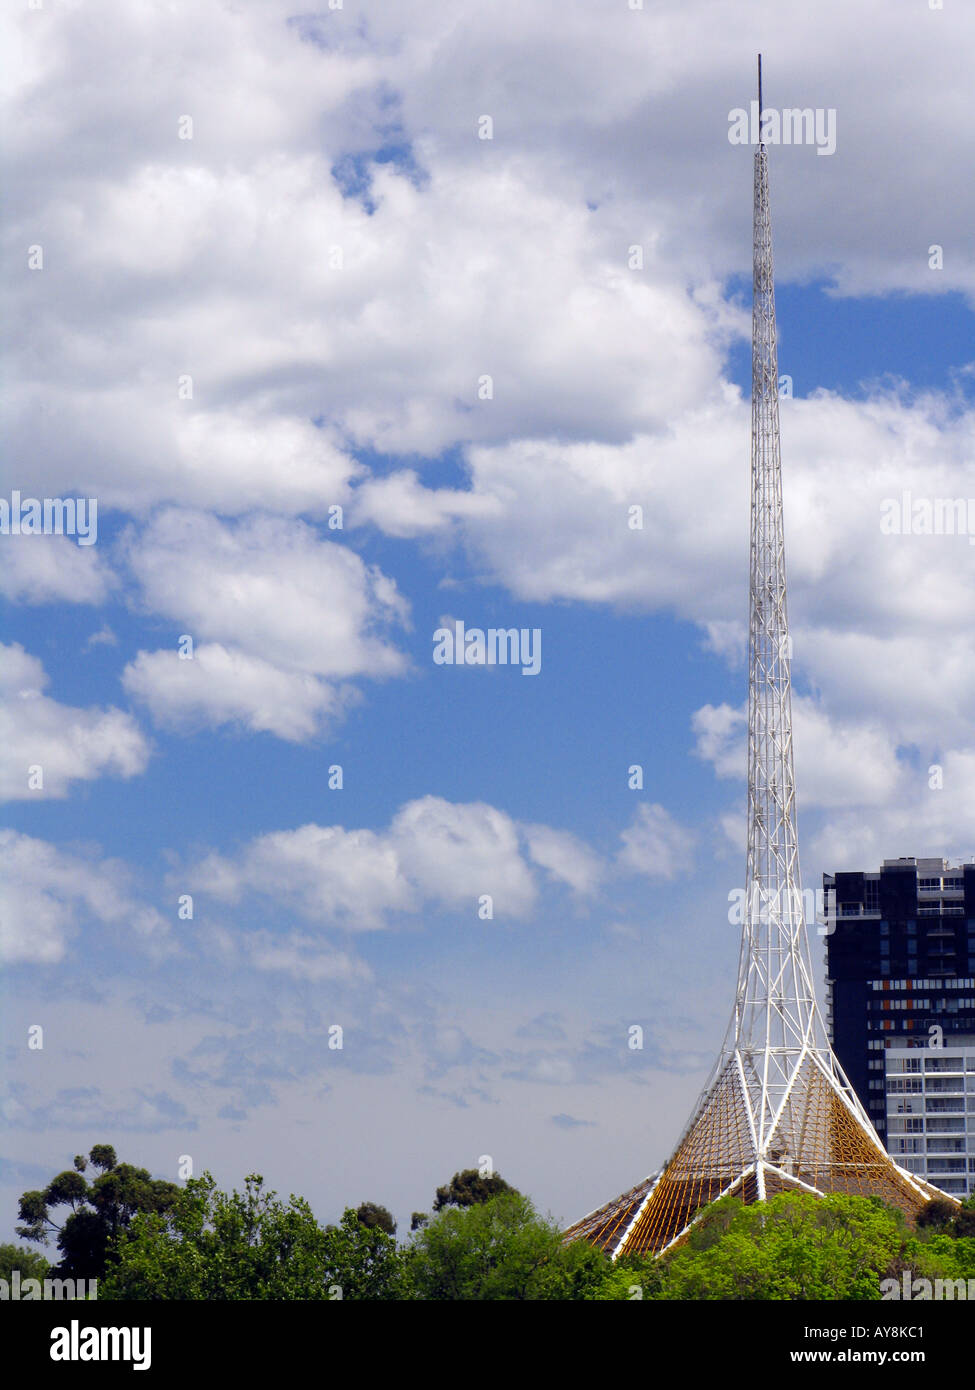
pixel 783 905
pixel 77 1343
pixel 50 516
pixel 926 1290
pixel 928 516
pixel 497 646
pixel 25 1290
pixel 793 125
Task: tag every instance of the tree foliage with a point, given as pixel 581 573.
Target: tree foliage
pixel 146 1239
pixel 99 1210
pixel 214 1245
pixel 31 1263
pixel 795 1247
pixel 499 1249
pixel 372 1214
pixel 468 1188
pixel 939 1213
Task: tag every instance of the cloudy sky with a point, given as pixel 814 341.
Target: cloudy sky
pixel 363 322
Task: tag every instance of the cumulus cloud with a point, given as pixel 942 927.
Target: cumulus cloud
pixel 369 307
pixel 289 616
pixel 930 813
pixel 49 569
pixel 655 844
pixel 67 744
pixel 433 851
pixel 837 763
pixel 870 797
pixel 401 506
pixel 221 686
pixel 565 857
pixel 457 853
pixel 48 895
pixel 349 878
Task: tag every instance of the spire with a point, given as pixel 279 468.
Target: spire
pixel 777 1112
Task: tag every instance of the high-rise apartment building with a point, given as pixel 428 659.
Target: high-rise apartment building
pixel 900 953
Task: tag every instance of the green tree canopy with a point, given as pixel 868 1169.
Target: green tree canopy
pixel 965 1220
pixel 250 1245
pixel 500 1249
pixel 372 1214
pixel 468 1188
pixel 939 1213
pixel 794 1246
pixel 31 1263
pixel 100 1209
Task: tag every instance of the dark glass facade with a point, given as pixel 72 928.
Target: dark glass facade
pixel 900 961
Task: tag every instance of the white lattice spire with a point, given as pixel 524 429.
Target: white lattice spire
pixel 777 1113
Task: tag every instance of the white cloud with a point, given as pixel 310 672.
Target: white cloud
pixel 221 686
pixel 565 857
pixel 433 852
pixel 655 844
pixel 46 569
pixel 837 762
pixel 49 894
pixel 350 878
pixel 68 744
pixel 271 587
pixel 457 853
pixel 508 259
pixel 401 506
pixel 303 958
pixel 104 637
pixel 282 619
pixel 930 813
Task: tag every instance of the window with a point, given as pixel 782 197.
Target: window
pixel 912 1125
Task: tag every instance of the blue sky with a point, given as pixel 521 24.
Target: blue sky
pixel 356 384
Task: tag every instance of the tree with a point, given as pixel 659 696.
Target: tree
pixel 363 1261
pixel 500 1249
pixel 238 1246
pixel 939 1213
pixel 794 1246
pixel 371 1214
pixel 31 1263
pixel 468 1188
pixel 965 1220
pixel 100 1210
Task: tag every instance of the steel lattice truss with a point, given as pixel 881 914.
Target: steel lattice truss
pixel 777 1112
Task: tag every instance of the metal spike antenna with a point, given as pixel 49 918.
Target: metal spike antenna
pixel 777 1112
